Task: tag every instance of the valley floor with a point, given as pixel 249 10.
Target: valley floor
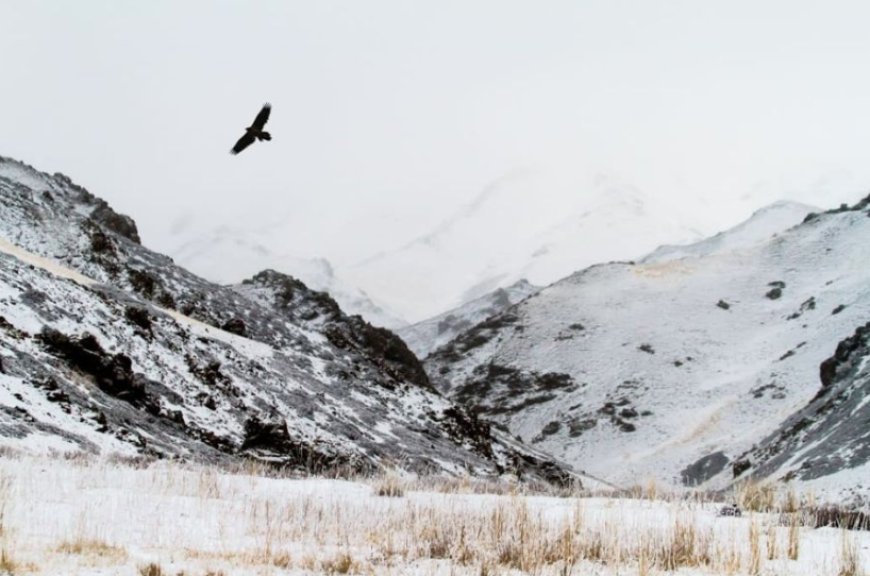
pixel 100 516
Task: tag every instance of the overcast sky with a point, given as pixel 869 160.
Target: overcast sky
pixel 388 115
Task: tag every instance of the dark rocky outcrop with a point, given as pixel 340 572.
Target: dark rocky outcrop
pixel 703 469
pixel 493 389
pixel 830 433
pixel 385 351
pixel 844 356
pixel 112 373
pixel 118 223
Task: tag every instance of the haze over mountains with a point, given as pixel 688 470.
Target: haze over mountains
pixel 528 225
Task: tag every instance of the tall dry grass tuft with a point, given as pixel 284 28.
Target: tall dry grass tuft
pixel 684 546
pixel 390 485
pixel 754 548
pixel 644 561
pixel 794 537
pixel 756 496
pixel 5 489
pixel 792 502
pixel 772 544
pixel 8 565
pixel 850 562
pixel 151 569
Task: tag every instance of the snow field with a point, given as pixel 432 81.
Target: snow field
pixel 102 516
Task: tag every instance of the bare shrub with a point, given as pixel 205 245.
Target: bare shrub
pixel 150 569
pixel 390 485
pixel 7 564
pixel 342 563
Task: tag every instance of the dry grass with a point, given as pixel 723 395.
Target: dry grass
pixel 757 496
pixel 93 548
pixel 772 543
pixel 8 565
pixel 754 548
pixel 794 540
pixel 390 485
pixel 204 518
pixel 850 563
pixel 151 569
pixel 5 487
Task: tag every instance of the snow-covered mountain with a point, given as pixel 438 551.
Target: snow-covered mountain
pixel 107 346
pixel 674 367
pixel 424 337
pixel 227 255
pixel 522 227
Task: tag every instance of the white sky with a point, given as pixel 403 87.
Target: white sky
pixel 388 115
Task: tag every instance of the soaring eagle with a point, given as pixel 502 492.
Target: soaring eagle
pixel 254 131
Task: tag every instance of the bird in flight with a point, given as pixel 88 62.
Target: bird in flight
pixel 254 131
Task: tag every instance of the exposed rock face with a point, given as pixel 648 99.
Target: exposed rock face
pixel 385 351
pixel 830 434
pixel 111 347
pixel 118 223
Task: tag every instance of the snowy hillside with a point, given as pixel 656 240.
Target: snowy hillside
pixel 107 346
pixel 671 368
pixel 426 336
pixel 521 227
pixel 827 443
pixel 228 255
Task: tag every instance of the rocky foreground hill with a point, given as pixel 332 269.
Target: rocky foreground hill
pixel 106 346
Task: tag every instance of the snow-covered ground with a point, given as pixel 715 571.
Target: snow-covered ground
pixel 95 517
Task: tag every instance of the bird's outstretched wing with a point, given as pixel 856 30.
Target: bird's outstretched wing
pixel 243 143
pixel 262 117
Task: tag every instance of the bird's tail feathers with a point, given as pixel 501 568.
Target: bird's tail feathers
pixel 264 136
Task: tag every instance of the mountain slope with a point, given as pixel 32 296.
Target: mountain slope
pixel 424 337
pixel 671 368
pixel 107 346
pixel 829 438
